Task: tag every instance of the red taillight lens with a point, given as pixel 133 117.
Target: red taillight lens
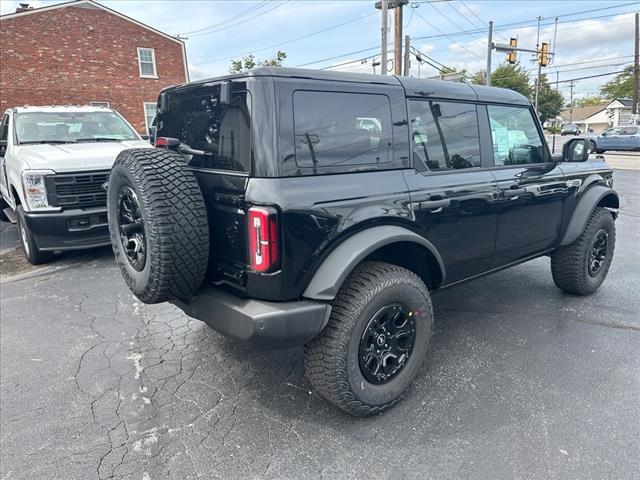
pixel 167 142
pixel 264 251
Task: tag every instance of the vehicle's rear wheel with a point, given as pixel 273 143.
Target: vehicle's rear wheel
pixel 34 255
pixel 581 267
pixel 375 342
pixel 158 224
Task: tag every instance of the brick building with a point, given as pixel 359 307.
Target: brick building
pixel 81 52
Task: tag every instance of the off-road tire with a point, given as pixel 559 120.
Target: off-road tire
pixel 33 254
pixel 331 360
pixel 175 224
pixel 570 264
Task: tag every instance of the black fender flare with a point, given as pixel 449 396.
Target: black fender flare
pixel 338 265
pixel 588 202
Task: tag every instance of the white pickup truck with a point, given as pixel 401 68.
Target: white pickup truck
pixel 53 163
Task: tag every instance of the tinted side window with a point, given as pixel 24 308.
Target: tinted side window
pixel 444 135
pixel 341 129
pixel 629 131
pixel 516 140
pixel 200 121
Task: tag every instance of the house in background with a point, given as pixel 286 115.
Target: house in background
pixel 619 111
pixel 594 116
pixel 599 117
pixel 83 53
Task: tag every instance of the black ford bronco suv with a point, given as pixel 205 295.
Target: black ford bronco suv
pixel 288 207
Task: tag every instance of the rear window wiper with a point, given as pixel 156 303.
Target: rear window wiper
pixel 98 139
pixel 33 142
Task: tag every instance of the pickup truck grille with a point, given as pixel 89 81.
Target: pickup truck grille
pixel 77 190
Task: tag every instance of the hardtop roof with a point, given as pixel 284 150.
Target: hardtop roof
pixel 413 86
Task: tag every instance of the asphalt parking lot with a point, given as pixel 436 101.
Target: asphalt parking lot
pixel 522 382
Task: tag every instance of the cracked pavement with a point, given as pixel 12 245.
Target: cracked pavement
pixel 522 381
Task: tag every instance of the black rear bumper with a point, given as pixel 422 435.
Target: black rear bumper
pixel 257 322
pixel 69 229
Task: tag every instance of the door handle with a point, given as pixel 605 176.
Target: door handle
pixel 435 204
pixel 514 192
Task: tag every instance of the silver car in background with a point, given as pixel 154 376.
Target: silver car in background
pixel 624 138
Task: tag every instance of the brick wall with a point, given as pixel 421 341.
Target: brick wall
pixel 75 55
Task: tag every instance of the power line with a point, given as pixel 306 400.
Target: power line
pixel 455 43
pixel 226 27
pixel 509 26
pixel 451 21
pixel 591 76
pixel 286 42
pixel 244 12
pixel 504 27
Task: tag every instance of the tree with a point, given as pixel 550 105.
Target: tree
pixel 589 101
pixel 249 61
pixel 479 78
pixel 512 76
pixel 550 102
pixel 621 86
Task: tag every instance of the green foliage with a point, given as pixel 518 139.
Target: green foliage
pixel 589 101
pixel 621 86
pixel 479 78
pixel 550 102
pixel 512 76
pixel 249 61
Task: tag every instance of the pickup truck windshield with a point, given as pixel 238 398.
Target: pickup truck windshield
pixel 71 127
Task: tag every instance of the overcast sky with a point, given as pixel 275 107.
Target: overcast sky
pixel 598 32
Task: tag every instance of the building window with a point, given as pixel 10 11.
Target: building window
pixel 147 62
pixel 150 110
pixel 99 104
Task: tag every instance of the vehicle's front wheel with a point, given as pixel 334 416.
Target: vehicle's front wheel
pixel 376 340
pixel 592 146
pixel 600 151
pixel 34 255
pixel 581 267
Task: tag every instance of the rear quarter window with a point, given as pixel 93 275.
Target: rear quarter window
pixel 340 129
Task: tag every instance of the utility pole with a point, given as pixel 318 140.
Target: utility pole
pixel 636 70
pixel 397 39
pixel 571 84
pixel 539 66
pixel 407 53
pixel 383 49
pixel 489 49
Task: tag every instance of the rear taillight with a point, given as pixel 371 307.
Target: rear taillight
pixel 167 142
pixel 264 251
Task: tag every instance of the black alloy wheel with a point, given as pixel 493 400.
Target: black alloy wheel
pixel 598 253
pixel 131 228
pixel 387 343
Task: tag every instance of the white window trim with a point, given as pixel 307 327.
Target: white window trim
pixel 153 57
pixel 99 103
pixel 144 110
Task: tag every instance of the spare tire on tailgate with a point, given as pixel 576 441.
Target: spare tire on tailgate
pixel 158 224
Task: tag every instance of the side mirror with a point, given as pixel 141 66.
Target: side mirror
pixel 3 147
pixel 225 93
pixel 575 150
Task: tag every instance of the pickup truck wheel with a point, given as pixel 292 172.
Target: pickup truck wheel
pixel 375 342
pixel 581 267
pixel 34 255
pixel 158 224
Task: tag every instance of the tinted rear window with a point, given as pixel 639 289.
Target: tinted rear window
pixel 341 129
pixel 200 121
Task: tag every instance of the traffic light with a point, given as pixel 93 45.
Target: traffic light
pixel 543 55
pixel 511 56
